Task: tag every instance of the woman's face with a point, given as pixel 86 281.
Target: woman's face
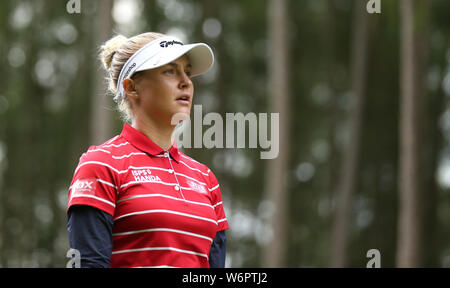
pixel 164 91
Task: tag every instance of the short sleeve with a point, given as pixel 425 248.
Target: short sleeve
pixel 93 184
pixel 216 201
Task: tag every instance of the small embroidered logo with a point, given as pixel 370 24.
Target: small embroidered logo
pixel 197 187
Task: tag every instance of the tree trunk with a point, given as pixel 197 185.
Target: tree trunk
pixel 101 120
pixel 277 169
pixel 413 16
pixel 349 170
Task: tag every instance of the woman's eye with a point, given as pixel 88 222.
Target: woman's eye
pixel 169 71
pixel 188 73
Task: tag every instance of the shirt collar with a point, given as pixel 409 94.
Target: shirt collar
pixel 143 143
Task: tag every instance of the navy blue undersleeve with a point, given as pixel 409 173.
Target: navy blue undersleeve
pixel 90 232
pixel 217 253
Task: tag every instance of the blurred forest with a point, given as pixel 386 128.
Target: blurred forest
pixel 364 109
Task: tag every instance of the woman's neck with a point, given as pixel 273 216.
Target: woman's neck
pixel 161 135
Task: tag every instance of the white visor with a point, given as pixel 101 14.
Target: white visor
pixel 162 51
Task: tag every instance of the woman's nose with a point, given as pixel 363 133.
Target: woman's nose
pixel 185 81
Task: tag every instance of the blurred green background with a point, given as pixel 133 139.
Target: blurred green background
pixel 363 100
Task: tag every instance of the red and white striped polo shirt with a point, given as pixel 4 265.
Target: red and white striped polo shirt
pixel 167 207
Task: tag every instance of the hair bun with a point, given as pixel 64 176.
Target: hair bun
pixel 108 50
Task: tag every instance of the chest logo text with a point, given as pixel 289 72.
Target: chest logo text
pixel 144 175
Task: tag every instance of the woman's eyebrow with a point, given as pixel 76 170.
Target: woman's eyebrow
pixel 175 65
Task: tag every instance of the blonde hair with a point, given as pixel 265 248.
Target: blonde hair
pixel 114 53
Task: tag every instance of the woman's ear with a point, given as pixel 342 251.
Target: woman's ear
pixel 129 87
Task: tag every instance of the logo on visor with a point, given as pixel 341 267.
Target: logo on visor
pixel 128 70
pixel 165 44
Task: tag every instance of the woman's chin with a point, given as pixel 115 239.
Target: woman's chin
pixel 184 110
pixel 180 115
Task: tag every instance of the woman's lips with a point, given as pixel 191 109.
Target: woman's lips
pixel 184 99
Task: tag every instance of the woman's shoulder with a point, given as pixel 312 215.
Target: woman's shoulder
pixel 107 151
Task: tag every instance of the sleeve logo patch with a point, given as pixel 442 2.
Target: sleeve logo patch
pixel 84 187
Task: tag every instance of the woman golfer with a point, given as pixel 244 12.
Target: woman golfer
pixel 136 200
